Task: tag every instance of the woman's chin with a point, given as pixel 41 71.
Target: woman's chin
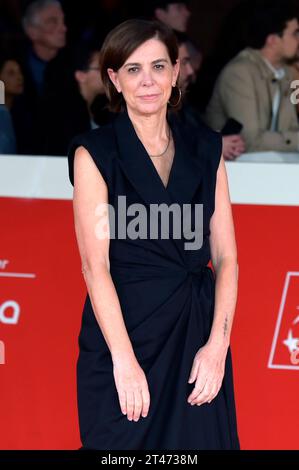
pixel 150 108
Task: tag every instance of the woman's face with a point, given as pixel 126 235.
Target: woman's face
pixel 146 78
pixel 12 77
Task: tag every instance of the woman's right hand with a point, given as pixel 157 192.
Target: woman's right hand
pixel 132 388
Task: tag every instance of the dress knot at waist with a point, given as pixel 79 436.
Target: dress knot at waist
pixel 198 271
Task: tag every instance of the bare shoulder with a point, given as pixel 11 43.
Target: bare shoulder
pixel 223 210
pixel 222 195
pixel 100 144
pixel 222 236
pixel 90 212
pixel 90 188
pixel 87 177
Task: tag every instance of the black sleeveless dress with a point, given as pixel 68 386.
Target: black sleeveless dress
pixel 166 293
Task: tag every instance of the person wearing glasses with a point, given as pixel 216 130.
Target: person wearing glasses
pixel 80 106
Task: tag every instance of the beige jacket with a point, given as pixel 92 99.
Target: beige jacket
pixel 244 91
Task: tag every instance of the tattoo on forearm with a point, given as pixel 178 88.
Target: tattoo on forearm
pixel 225 326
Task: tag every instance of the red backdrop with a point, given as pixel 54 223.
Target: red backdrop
pixel 41 300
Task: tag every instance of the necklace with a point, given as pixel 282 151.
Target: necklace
pixel 160 155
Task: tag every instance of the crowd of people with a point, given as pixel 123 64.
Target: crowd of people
pixel 49 64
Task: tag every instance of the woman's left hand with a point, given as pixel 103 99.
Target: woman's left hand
pixel 208 371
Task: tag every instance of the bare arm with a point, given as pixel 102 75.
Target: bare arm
pixel 209 363
pixel 90 190
pixel 224 259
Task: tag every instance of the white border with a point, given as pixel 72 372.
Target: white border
pixel 249 182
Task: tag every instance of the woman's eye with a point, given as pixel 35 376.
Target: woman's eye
pixel 159 66
pixel 132 69
pixel 135 69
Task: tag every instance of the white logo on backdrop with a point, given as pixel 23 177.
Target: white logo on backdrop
pixel 10 309
pixel 286 335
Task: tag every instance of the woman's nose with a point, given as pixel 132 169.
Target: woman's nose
pixel 147 78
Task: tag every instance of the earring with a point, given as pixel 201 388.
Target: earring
pixel 180 97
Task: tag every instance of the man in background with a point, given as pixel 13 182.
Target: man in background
pixel 80 107
pixel 173 14
pixel 43 62
pixel 233 145
pixel 254 88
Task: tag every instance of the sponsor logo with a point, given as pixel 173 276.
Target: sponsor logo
pixel 284 352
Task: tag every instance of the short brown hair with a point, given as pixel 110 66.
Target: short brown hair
pixel 122 41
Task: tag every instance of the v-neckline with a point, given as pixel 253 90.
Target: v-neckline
pixel 185 173
pixel 155 171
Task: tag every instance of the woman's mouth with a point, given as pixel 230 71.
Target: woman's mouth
pixel 149 97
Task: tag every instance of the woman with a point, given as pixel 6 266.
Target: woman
pixel 154 369
pixel 11 75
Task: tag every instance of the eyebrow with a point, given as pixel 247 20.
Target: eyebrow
pixel 136 63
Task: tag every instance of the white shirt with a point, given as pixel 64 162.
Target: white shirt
pixel 278 75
